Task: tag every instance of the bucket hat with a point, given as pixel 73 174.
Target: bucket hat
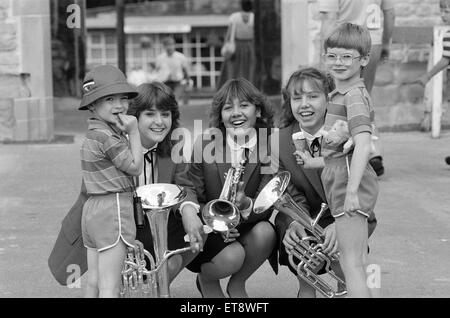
pixel 102 81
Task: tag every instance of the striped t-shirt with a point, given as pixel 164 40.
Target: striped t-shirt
pixel 105 159
pixel 446 44
pixel 353 105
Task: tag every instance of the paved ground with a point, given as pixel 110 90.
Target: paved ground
pixel 39 183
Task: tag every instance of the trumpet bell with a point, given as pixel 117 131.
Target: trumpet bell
pixel 272 191
pixel 160 195
pixel 221 215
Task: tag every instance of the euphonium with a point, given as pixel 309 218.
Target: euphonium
pixel 308 253
pixel 222 214
pixel 137 281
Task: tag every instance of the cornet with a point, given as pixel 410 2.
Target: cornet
pixel 309 251
pixel 137 281
pixel 222 214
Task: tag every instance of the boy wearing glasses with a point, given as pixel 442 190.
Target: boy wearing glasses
pixel 379 17
pixel 349 181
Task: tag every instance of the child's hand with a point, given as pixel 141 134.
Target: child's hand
pixel 127 123
pixel 349 145
pixel 351 204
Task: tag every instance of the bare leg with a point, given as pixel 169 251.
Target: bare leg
pixel 110 263
pixel 352 239
pixel 258 245
pixel 177 262
pixel 224 264
pixel 374 289
pixel 336 267
pixel 92 278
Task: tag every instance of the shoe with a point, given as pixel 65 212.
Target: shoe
pixel 447 160
pixel 377 165
pixel 199 287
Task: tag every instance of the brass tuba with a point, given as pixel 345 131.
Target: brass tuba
pixel 222 214
pixel 308 253
pixel 137 281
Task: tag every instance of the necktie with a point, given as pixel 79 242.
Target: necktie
pixel 246 154
pixel 315 147
pixel 149 157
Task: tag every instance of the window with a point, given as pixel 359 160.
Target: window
pixel 204 58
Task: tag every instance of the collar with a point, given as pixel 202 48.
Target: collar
pixel 310 137
pixel 97 123
pixel 250 144
pixel 145 150
pixel 346 87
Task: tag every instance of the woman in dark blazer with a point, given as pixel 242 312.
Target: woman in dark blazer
pixel 303 110
pixel 158 115
pixel 240 120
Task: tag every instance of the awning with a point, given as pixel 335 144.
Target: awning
pixel 157 24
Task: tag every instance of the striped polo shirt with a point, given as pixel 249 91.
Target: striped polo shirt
pixel 350 102
pixel 446 44
pixel 105 159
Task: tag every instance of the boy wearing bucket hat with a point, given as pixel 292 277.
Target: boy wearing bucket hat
pixel 108 160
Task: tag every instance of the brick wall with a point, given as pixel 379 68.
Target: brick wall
pixel 402 105
pixel 399 106
pixel 10 84
pixel 26 95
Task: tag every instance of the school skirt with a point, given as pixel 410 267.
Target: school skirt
pixel 215 244
pixel 106 219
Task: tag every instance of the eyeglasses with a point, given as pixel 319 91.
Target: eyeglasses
pixel 346 59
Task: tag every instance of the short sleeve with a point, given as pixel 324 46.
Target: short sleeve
pixel 328 5
pixel 446 45
pixel 184 60
pixel 116 149
pixel 359 113
pixel 234 17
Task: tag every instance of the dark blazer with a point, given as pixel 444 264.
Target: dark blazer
pixel 306 181
pixel 69 248
pixel 307 191
pixel 208 177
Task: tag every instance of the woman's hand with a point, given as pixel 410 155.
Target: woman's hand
pixel 230 236
pixel 330 244
pixel 193 226
pixel 242 201
pixel 293 235
pixel 303 158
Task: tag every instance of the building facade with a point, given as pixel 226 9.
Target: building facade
pixel 198 31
